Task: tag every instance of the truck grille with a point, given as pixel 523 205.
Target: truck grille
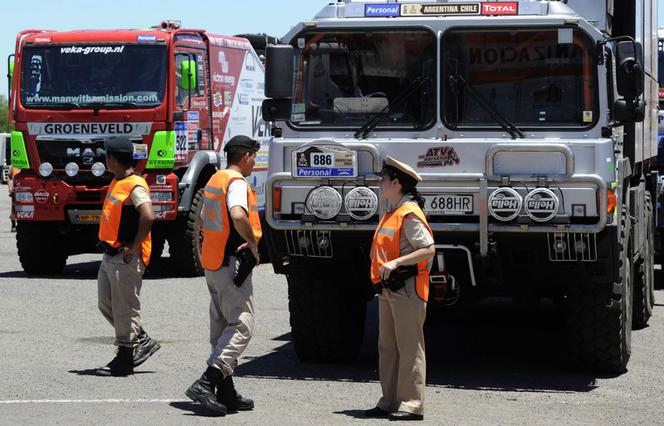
pixel 309 243
pixel 566 247
pixel 59 152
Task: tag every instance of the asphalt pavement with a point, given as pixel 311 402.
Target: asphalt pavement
pixel 492 363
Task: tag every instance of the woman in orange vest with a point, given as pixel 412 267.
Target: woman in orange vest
pixel 401 255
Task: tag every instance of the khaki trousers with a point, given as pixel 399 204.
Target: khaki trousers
pixel 118 291
pixel 401 358
pixel 231 317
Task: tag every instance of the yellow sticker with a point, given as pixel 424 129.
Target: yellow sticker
pixel 587 116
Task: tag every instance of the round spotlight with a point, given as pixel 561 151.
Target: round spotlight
pixel 71 169
pixel 361 203
pixel 559 246
pixel 46 169
pixel 541 205
pixel 324 202
pixel 505 204
pixel 98 169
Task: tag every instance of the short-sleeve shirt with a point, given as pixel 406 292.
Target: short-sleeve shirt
pixel 237 195
pixel 139 196
pixel 414 235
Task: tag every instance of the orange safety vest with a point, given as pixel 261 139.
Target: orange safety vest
pixel 386 247
pixel 216 219
pixel 109 224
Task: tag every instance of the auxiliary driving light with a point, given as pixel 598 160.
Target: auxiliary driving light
pixel 98 169
pixel 324 202
pixel 71 169
pixel 45 169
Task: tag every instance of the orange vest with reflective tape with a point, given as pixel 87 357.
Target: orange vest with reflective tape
pixel 118 195
pixel 386 245
pixel 215 218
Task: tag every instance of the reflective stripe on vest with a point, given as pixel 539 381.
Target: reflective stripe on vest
pixel 386 246
pixel 215 218
pixel 109 223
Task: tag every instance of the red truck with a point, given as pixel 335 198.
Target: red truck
pixel 179 94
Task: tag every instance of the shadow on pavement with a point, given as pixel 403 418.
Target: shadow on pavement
pixel 193 408
pixel 74 271
pixel 492 345
pixel 93 372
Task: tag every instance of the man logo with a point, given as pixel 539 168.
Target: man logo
pixel 505 204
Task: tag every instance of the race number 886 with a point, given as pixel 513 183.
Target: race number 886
pixel 322 159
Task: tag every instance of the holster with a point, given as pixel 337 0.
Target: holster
pixel 105 247
pixel 245 264
pixel 397 279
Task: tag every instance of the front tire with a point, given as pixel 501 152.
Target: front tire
pixel 185 241
pixel 41 249
pixel 327 316
pixel 599 316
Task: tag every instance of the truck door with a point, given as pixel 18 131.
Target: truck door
pixel 192 124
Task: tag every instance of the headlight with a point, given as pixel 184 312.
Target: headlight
pixel 45 169
pixel 98 169
pixel 324 202
pixel 361 203
pixel 161 196
pixel 23 197
pixel 71 169
pixel 541 205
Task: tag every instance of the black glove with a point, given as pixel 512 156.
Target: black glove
pixel 246 261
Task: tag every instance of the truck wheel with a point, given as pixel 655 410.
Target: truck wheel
pixel 644 286
pixel 184 241
pixel 326 316
pixel 41 250
pixel 599 316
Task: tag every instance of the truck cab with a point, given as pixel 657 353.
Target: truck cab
pixel 532 125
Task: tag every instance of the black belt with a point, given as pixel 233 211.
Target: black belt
pixel 108 249
pixel 397 278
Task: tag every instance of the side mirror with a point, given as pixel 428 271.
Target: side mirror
pixel 188 72
pixel 629 69
pixel 630 111
pixel 10 76
pixel 279 72
pixel 276 110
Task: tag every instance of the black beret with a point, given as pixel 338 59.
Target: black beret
pixel 241 143
pixel 118 145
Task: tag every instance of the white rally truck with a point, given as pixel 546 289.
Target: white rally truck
pixel 533 124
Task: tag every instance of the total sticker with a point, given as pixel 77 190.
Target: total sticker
pixel 587 116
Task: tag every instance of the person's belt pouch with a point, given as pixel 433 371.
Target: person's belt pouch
pixel 245 263
pixel 397 279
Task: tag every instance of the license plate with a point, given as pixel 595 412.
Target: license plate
pixel 89 217
pixel 448 204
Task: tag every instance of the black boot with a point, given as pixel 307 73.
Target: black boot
pixel 202 391
pixel 227 395
pixel 146 347
pixel 121 365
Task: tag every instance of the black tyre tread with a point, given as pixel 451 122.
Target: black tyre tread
pixel 40 250
pixel 327 316
pixel 183 243
pixel 596 323
pixel 643 290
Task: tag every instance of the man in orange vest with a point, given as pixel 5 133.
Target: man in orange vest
pixel 124 235
pixel 401 256
pixel 231 231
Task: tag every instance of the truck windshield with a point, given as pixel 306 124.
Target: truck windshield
pixel 345 78
pixel 535 78
pixel 97 76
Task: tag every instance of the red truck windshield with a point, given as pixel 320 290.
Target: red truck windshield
pixel 98 76
pixel 535 78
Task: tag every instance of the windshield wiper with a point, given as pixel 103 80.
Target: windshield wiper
pixel 59 105
pixel 502 121
pixel 112 105
pixel 378 117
